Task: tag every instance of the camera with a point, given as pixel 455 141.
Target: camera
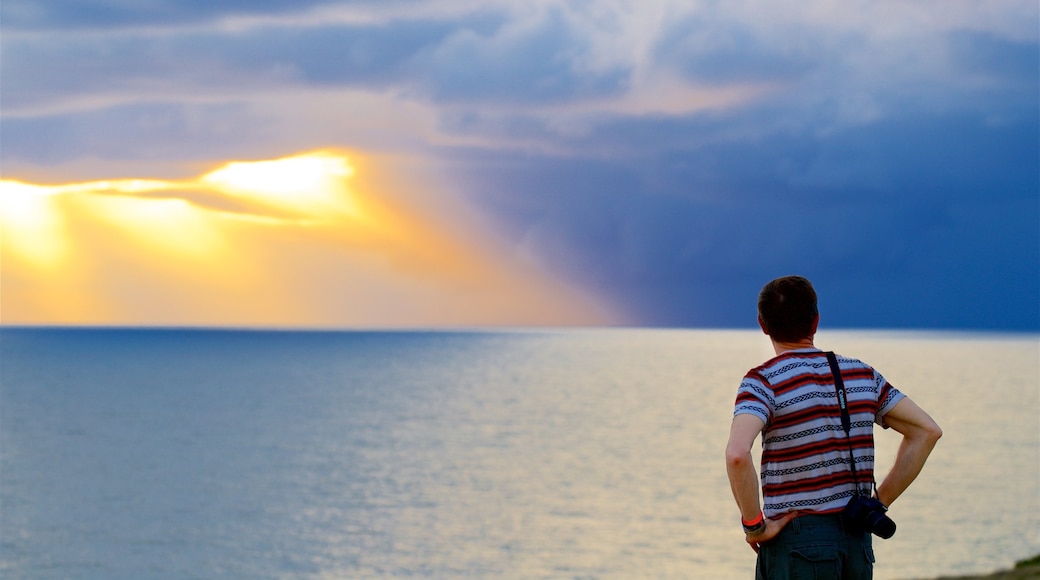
pixel 867 514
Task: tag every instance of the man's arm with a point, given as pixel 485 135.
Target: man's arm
pixel 920 433
pixel 743 479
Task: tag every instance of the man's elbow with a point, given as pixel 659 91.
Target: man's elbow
pixel 737 457
pixel 928 434
pixel 933 433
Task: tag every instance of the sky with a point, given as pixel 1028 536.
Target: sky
pixel 453 163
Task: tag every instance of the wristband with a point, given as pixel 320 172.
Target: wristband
pixel 755 525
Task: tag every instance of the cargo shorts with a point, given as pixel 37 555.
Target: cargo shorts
pixel 816 547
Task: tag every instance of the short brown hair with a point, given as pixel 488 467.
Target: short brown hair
pixel 787 308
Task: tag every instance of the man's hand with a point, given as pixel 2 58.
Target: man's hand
pixel 770 531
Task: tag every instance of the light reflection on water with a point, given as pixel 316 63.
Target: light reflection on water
pixel 146 454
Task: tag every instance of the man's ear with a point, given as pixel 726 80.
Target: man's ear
pixel 762 325
pixel 815 324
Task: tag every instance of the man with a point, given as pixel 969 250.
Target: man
pixel 807 477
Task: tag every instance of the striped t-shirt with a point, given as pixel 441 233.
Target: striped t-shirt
pixel 805 453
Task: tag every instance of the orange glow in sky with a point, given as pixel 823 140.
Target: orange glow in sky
pixel 310 240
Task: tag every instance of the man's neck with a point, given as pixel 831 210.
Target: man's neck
pixel 782 347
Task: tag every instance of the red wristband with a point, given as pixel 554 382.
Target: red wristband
pixel 753 523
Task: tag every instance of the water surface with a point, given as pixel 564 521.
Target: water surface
pixel 526 454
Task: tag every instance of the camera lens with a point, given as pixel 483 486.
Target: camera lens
pixel 868 515
pixel 882 526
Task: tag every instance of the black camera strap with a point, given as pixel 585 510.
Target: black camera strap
pixel 846 422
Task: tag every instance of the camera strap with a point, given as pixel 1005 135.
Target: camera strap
pixel 846 422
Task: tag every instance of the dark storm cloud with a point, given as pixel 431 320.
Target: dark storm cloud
pixel 939 217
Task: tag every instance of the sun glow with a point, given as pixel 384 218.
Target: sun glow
pixel 314 184
pixel 311 186
pixel 298 241
pixel 31 224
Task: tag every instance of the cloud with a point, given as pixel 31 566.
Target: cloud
pixel 114 14
pixel 680 235
pixel 133 131
pixel 288 242
pixel 667 157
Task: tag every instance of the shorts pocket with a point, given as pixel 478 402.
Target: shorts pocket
pixel 868 566
pixel 815 562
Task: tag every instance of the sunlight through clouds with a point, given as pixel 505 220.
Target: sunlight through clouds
pixel 162 226
pixel 296 241
pixel 312 185
pixel 30 224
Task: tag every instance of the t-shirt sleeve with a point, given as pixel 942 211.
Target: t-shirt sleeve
pixel 888 396
pixel 754 398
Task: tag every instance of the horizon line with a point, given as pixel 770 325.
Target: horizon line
pixel 496 328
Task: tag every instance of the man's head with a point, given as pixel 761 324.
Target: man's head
pixel 787 309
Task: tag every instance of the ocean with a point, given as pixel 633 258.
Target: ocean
pixel 598 453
